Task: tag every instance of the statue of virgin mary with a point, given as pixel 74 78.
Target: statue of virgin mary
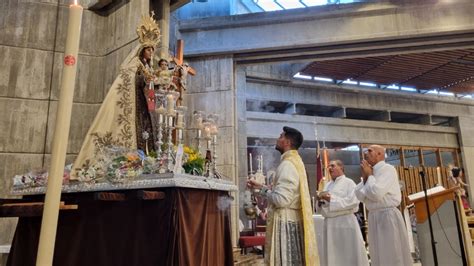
pixel 124 119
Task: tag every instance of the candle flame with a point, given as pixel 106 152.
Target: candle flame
pixel 75 2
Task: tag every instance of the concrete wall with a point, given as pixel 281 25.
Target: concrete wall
pixel 212 90
pixel 267 83
pixel 32 40
pixel 376 27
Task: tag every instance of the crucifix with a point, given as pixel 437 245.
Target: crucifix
pixel 182 70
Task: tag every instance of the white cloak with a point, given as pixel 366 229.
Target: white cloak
pixel 343 242
pixel 388 239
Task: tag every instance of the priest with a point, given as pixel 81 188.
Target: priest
pixel 290 237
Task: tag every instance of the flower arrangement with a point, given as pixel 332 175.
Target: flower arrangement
pixel 37 178
pixel 193 161
pixel 125 167
pixel 116 165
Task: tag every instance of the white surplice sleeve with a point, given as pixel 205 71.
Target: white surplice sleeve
pixel 346 201
pixel 287 186
pixel 376 188
pixel 359 191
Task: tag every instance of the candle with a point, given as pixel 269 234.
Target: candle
pixel 214 130
pixel 199 122
pixel 438 173
pixel 365 211
pixel 207 132
pixel 60 139
pixel 180 134
pixel 250 162
pixel 161 109
pixel 314 203
pixel 170 121
pixel 180 121
pixel 199 133
pixel 170 103
pixel 160 118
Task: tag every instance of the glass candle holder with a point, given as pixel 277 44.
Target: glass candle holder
pixel 198 119
pixel 171 98
pixel 180 112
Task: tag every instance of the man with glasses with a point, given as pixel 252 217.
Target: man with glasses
pixel 341 230
pixel 380 191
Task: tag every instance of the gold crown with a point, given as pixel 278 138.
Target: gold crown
pixel 148 31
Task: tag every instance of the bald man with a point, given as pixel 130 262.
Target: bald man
pixel 380 191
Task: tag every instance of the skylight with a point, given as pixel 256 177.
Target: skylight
pixel 351 148
pixel 444 93
pixel 408 89
pixel 288 4
pixel 383 86
pixel 323 79
pixel 273 5
pixel 298 75
pixel 393 87
pixel 349 81
pixel 368 84
pixel 268 5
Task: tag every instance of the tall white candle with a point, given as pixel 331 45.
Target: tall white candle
pixel 365 211
pixel 60 139
pixel 250 162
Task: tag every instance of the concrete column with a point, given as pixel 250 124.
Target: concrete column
pixel 466 131
pixel 162 11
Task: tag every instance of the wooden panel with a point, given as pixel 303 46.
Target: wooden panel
pixel 434 202
pixel 450 70
pixel 411 178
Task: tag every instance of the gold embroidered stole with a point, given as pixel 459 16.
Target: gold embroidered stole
pixel 310 246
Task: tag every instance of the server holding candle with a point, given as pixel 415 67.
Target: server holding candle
pixel 341 229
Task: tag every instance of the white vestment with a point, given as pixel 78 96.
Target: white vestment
pixel 343 242
pixel 290 236
pixel 388 240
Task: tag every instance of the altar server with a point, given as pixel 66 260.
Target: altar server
pixel 343 243
pixel 380 191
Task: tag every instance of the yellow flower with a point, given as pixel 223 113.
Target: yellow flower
pixel 188 150
pixel 132 157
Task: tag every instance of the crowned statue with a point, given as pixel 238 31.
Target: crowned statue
pixel 127 115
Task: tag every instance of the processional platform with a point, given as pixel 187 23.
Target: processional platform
pixel 162 219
